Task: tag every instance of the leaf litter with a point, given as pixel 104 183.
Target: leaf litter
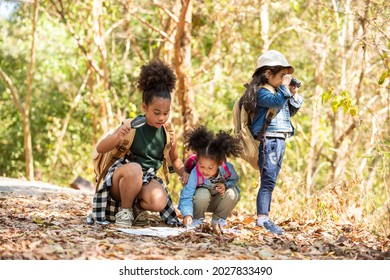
pixel 51 226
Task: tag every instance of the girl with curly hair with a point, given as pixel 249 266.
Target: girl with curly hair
pixel 212 184
pixel 132 181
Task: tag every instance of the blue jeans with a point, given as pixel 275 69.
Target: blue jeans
pixel 270 162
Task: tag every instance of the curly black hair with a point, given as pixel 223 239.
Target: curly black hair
pixel 156 79
pixel 216 147
pixel 198 138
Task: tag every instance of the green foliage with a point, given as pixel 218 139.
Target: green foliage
pixel 385 75
pixel 338 100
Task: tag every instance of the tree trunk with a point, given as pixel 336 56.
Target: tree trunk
pixel 183 66
pixel 26 116
pixel 264 19
pixel 28 148
pixel 341 129
pixel 319 56
pixel 99 39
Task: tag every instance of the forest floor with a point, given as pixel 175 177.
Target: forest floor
pixel 39 221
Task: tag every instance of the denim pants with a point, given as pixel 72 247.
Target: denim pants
pixel 270 162
pixel 211 201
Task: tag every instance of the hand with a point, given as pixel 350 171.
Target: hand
pixel 293 89
pixel 122 131
pixel 184 178
pixel 187 221
pixel 286 80
pixel 221 188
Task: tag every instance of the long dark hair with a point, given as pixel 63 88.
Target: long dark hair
pixel 216 147
pixel 249 98
pixel 156 79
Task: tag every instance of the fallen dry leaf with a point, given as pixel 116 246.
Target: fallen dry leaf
pixel 50 225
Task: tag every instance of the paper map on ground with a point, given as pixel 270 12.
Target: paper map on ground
pixel 166 231
pixel 154 231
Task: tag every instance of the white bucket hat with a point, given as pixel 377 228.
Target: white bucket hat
pixel 273 58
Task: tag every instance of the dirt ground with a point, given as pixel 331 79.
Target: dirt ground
pixel 39 221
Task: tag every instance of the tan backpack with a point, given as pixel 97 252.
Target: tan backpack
pixel 102 162
pixel 242 121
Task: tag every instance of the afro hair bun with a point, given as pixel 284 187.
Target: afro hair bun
pixel 156 76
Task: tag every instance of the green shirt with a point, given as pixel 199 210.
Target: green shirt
pixel 148 146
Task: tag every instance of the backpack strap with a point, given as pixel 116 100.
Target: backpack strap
pixel 227 173
pixel 271 113
pixel 190 163
pixel 199 176
pixel 124 146
pixel 200 179
pixel 169 133
pixel 119 151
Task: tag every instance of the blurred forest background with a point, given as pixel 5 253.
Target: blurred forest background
pixel 68 72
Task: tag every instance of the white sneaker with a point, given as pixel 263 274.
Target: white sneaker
pixel 124 218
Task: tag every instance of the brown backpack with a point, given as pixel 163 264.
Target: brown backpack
pixel 102 162
pixel 242 121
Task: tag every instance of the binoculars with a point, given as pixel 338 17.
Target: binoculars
pixel 295 82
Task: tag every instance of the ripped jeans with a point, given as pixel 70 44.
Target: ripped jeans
pixel 270 163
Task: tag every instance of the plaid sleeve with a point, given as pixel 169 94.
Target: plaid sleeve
pixel 99 205
pixel 168 214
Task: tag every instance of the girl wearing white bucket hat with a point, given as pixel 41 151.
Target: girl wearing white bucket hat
pixel 269 98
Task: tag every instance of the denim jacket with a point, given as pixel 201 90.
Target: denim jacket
pixel 187 193
pixel 280 99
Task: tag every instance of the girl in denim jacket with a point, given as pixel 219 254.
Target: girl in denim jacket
pixel 269 97
pixel 212 184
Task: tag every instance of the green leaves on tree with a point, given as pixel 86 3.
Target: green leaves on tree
pixel 340 99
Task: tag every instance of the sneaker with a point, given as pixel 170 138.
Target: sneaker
pixel 271 227
pixel 139 218
pixel 197 222
pixel 218 226
pixel 124 218
pixel 221 222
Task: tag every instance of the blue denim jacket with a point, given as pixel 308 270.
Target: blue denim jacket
pixel 280 99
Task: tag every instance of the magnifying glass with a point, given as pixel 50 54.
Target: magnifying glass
pixel 138 122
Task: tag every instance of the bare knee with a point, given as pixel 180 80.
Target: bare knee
pixel 132 171
pixel 159 201
pixel 127 178
pixel 128 174
pixel 153 197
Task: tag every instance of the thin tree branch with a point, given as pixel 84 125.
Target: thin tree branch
pixel 168 12
pixel 161 32
pixel 87 55
pixel 14 92
pixel 73 107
